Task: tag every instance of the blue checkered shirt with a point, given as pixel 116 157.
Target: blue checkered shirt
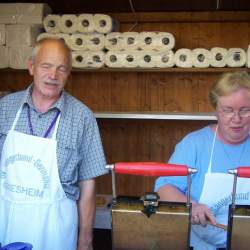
pixel 79 149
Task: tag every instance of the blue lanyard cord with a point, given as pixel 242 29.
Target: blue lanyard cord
pixel 49 128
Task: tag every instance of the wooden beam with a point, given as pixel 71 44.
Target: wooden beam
pixel 203 16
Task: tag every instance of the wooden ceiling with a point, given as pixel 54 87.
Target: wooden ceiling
pixel 109 6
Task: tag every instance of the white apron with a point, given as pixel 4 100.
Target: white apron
pixel 33 205
pixel 217 195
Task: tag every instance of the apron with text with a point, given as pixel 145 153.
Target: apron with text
pixel 217 195
pixel 33 205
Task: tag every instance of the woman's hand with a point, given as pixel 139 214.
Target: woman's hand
pixel 202 215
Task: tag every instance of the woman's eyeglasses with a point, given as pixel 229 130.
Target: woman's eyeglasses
pixel 230 113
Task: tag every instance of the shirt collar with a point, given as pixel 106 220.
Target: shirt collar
pixel 27 99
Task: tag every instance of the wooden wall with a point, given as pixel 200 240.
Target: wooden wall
pixel 173 90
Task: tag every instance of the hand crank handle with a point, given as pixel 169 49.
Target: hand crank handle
pixel 151 169
pixel 241 171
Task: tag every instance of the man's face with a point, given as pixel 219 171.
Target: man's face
pixel 233 113
pixel 50 70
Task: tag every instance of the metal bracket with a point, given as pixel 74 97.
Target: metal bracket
pixel 150 203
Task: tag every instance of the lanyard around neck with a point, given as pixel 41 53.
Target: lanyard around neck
pixel 49 128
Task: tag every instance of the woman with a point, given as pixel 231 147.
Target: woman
pixel 213 150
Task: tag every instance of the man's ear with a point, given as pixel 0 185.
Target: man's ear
pixel 30 67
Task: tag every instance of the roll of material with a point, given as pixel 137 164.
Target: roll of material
pixel 183 58
pixel 21 35
pixel 68 24
pixel 248 57
pixel 4 57
pixel 2 34
pixel 160 41
pixel 51 23
pixel 23 13
pixel 77 41
pixel 64 37
pixel 236 57
pixel 218 57
pixel 18 57
pixel 201 58
pixel 95 59
pixel 115 59
pixel 164 59
pixel 85 23
pixel 147 59
pixel 95 42
pixel 45 35
pixel 79 59
pixel 131 59
pixel 104 24
pixel 130 41
pixel 164 41
pixel 147 40
pixel 119 59
pixel 151 59
pixel 87 59
pixel 114 41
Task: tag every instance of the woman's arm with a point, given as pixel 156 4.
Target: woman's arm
pixel 201 214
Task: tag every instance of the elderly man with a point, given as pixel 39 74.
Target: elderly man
pixel 50 154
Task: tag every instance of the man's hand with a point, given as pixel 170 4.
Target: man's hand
pixel 84 244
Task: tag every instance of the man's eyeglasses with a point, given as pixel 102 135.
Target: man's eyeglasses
pixel 230 113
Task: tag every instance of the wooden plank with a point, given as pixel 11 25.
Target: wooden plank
pixel 130 140
pixel 159 70
pixel 139 92
pixel 14 80
pixel 183 16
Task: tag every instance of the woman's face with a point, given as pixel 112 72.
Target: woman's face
pixel 233 114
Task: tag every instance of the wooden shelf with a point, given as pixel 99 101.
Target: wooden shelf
pixel 156 116
pixel 150 70
pixel 169 70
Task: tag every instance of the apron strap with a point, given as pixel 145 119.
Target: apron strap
pixel 54 122
pixel 212 151
pixel 55 119
pixel 16 118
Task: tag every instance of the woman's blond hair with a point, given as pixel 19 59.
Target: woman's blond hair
pixel 227 84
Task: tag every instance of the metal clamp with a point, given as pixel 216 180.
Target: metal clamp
pixel 150 203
